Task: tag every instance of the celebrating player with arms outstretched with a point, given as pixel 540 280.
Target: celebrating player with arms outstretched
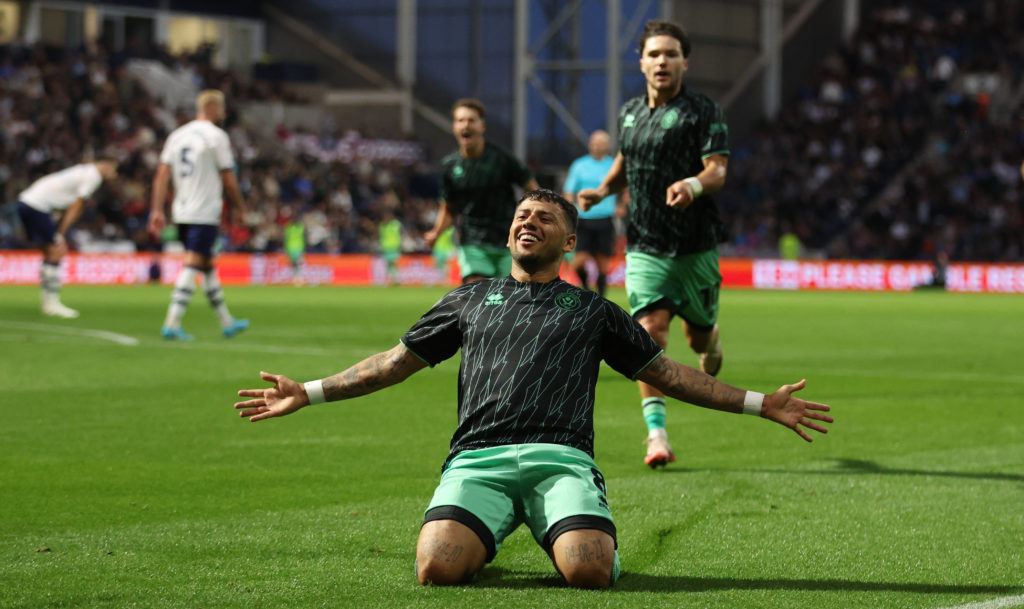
pixel 532 346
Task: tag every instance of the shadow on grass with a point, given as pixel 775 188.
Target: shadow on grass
pixel 860 466
pixel 498 577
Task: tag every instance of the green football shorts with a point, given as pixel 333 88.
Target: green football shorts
pixel 686 285
pixel 551 488
pixel 295 255
pixel 485 261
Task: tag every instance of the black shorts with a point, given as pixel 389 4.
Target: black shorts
pixel 39 226
pixel 596 236
pixel 199 238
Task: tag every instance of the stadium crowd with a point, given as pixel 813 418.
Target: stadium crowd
pixel 60 106
pixel 905 142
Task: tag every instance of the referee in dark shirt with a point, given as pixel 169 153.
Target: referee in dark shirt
pixel 531 345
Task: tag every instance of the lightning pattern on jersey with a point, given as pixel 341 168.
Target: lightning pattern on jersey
pixel 531 353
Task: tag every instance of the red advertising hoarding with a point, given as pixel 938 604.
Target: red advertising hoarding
pixel 20 267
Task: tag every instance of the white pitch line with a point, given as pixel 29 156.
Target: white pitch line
pixel 997 603
pixel 123 339
pixel 244 348
pixel 114 337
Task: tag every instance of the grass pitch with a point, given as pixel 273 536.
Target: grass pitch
pixel 127 479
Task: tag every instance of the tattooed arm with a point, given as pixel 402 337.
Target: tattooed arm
pixel 373 373
pixel 693 386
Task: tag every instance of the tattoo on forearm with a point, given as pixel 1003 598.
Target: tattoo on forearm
pixel 671 380
pixel 373 373
pixel 690 385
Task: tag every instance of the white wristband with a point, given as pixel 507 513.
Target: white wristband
pixel 315 391
pixel 695 186
pixel 752 403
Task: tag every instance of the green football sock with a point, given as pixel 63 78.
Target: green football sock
pixel 654 413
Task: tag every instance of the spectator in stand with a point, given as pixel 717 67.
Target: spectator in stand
pixel 869 111
pixel 916 71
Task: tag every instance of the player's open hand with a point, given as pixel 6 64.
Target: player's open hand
pixel 285 397
pixel 786 409
pixel 587 198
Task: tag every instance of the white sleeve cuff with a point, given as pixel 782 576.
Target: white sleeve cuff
pixel 752 403
pixel 315 391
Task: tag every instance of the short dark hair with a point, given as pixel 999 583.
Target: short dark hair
pixel 664 28
pixel 472 103
pixel 572 215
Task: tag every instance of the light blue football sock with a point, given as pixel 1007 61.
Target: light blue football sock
pixel 654 413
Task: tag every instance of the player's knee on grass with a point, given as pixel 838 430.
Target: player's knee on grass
pixel 448 553
pixel 585 558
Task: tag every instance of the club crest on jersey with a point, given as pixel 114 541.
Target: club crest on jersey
pixel 628 121
pixel 670 118
pixel 494 300
pixel 567 301
pixel 458 171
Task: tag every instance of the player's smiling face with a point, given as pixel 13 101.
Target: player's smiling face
pixel 467 126
pixel 539 235
pixel 663 64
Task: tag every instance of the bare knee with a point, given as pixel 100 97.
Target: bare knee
pixel 199 261
pixel 585 558
pixel 434 572
pixel 699 340
pixel 448 553
pixel 592 576
pixel 657 324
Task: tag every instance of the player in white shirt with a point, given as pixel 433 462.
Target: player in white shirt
pixel 63 192
pixel 197 157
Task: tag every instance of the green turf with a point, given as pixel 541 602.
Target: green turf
pixel 127 480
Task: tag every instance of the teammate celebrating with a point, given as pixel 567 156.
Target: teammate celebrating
pixel 198 157
pixel 64 191
pixel 673 155
pixel 522 453
pixel 476 188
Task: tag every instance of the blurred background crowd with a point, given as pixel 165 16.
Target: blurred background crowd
pixel 905 142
